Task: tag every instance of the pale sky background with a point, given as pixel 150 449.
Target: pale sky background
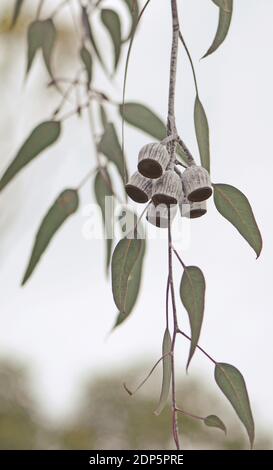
pixel 59 322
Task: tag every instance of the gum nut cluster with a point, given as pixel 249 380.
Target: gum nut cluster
pixel 166 189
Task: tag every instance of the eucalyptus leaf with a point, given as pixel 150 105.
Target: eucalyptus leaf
pixel 41 137
pixel 112 23
pixel 232 384
pixel 111 148
pixel 65 205
pixel 103 190
pixel 224 4
pixel 225 16
pixel 141 117
pixel 202 133
pixel 16 12
pixel 41 35
pixel 234 206
pixel 167 372
pixel 88 63
pixel 124 259
pixel 192 293
pixel 90 36
pixel 133 287
pixel 213 421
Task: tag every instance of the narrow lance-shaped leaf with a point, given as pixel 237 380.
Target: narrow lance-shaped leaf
pixel 213 421
pixel 112 23
pixel 16 11
pixel 111 148
pixel 41 137
pixel 234 206
pixel 64 206
pixel 225 16
pixel 90 36
pixel 192 293
pixel 88 63
pixel 202 133
pixel 232 384
pixel 167 372
pixel 104 198
pixel 124 259
pixel 143 118
pixel 41 35
pixel 133 290
pixel 134 12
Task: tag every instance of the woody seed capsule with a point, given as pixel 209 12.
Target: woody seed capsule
pixel 196 184
pixel 153 160
pixel 158 215
pixel 139 188
pixel 167 189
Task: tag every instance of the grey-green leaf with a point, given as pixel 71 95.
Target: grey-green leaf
pixel 90 36
pixel 144 119
pixel 213 421
pixel 111 148
pixel 41 137
pixel 134 12
pixel 232 384
pixel 41 35
pixel 103 116
pixel 112 23
pixel 141 117
pixel 88 63
pixel 225 16
pixel 16 12
pixel 124 259
pixel 133 287
pixel 192 293
pixel 103 190
pixel 167 372
pixel 202 133
pixel 65 205
pixel 234 206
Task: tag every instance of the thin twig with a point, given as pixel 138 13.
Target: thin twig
pixel 179 257
pixel 199 347
pixel 39 9
pixel 191 61
pixel 175 329
pixel 186 413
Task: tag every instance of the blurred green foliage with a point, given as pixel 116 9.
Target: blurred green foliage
pixel 108 418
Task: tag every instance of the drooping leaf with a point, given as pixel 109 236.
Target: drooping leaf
pixel 41 35
pixel 225 16
pixel 88 63
pixel 16 12
pixel 232 384
pixel 111 148
pixel 65 205
pixel 214 422
pixel 192 293
pixel 124 259
pixel 234 206
pixel 134 12
pixel 90 36
pixel 144 119
pixel 103 191
pixel 202 133
pixel 41 137
pixel 133 288
pixel 141 117
pixel 167 372
pixel 112 23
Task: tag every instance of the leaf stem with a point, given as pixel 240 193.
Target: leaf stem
pixel 199 347
pixel 186 413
